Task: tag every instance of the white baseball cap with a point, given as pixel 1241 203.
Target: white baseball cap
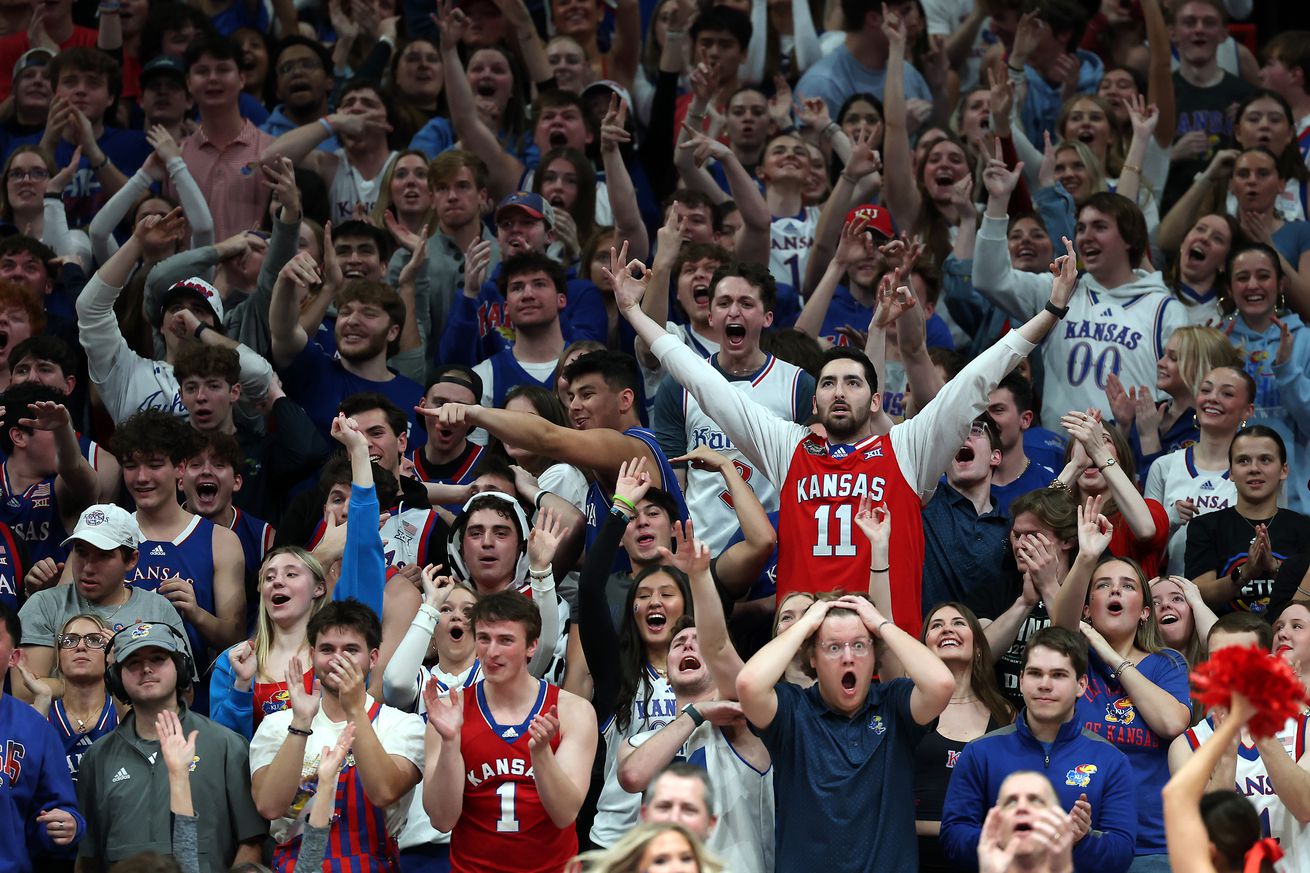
pixel 106 527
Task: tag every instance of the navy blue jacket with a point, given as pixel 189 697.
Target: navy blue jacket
pixel 1079 762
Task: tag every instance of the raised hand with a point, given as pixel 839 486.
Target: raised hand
pixel 170 226
pixel 182 594
pixel 1065 270
pixel 1086 428
pixel 303 704
pixel 780 103
pixel 633 480
pixel 875 521
pixel 894 300
pixel 163 143
pixel 42 575
pixel 1144 116
pixel 668 239
pixel 60 180
pixel 333 758
pixel 629 289
pixel 613 133
pixel 543 729
pixel 1094 529
pixel 1284 343
pixel 476 261
pixel 453 24
pixel 812 112
pixel 46 415
pixel 1122 406
pixel 445 714
pixel 1046 169
pixel 280 178
pixel 447 414
pixel 418 254
pixel 703 147
pixel 864 159
pixel 346 431
pixel 544 539
pixel 333 278
pixel 854 244
pixel 436 588
pixel 177 748
pixel 995 855
pixel 350 687
pixel 690 555
pixel 243 661
pixel 999 179
pixel 893 27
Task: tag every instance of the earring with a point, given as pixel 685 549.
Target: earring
pixel 1242 424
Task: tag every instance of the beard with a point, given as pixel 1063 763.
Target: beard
pixel 375 346
pixel 841 431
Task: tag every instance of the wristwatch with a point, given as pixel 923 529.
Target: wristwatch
pixel 1109 462
pixel 1058 311
pixel 693 713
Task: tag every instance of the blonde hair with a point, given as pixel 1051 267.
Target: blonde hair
pixel 625 855
pixel 81 616
pixel 1200 350
pixel 264 630
pixel 377 216
pixel 1091 163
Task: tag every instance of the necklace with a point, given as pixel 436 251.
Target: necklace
pixel 1251 524
pixel 967 698
pixel 109 618
pixel 91 716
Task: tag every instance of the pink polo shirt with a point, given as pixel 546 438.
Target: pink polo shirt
pixel 236 195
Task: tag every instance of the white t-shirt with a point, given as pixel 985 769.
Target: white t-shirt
pixel 401 733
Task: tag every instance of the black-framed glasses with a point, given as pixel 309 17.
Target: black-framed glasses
pixel 309 65
pixel 93 641
pixel 36 174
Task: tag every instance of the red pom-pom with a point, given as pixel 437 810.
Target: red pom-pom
pixel 1269 683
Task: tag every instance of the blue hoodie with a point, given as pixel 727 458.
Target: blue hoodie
pixel 1282 396
pixel 1042 108
pixel 1078 762
pixel 35 779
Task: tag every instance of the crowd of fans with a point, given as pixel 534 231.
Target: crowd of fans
pixel 652 435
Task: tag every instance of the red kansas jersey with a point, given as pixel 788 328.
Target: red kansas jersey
pixel 504 825
pixel 820 548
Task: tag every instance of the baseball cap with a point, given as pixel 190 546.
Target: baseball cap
pixel 106 527
pixel 33 57
pixel 163 65
pixel 533 204
pixel 146 635
pixel 610 87
pixel 196 287
pixel 879 219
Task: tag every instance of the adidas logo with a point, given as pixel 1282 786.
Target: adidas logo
pixel 1207 486
pixel 1107 313
pixel 157 550
pixel 121 776
pixel 510 733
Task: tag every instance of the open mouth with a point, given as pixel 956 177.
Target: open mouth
pixel 949 643
pixel 1195 255
pixel 985 123
pixel 1086 136
pixel 1114 607
pixel 656 621
pixel 558 139
pixel 485 89
pixel 557 200
pixel 944 180
pixel 279 599
pixel 1212 410
pixel 701 294
pixel 689 663
pixel 456 634
pixel 964 455
pixel 645 541
pixel 734 333
pixel 206 490
pixel 1026 252
pixel 848 680
pixel 1168 619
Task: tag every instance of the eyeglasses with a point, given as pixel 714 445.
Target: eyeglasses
pixel 309 65
pixel 36 174
pixel 859 649
pixel 93 641
pixel 979 429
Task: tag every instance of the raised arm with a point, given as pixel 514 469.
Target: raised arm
pixel 1094 533
pixel 443 768
pixel 178 750
pixel 753 237
pixel 504 169
pixel 860 181
pixel 668 243
pixel 693 558
pixel 1086 428
pixel 1144 119
pixel 543 542
pixel 386 777
pixel 1185 832
pixel 1175 223
pixel 76 485
pixel 1159 73
pixel 759 675
pixel 194 205
pixel 901 192
pixel 287 335
pixel 628 223
pixel 1018 293
pixel 739 565
pixel 933 682
pixel 400 688
pixel 274 785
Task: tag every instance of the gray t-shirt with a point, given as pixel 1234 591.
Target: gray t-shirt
pixel 45 612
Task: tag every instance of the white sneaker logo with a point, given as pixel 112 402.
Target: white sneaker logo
pixel 157 550
pixel 121 776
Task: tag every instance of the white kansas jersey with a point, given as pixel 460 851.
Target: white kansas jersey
pixel 790 240
pixel 1175 477
pixel 1253 783
pixel 778 386
pixel 654 706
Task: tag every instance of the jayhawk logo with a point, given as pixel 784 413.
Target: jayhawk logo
pixel 195 759
pixel 279 701
pixel 1080 776
pixel 1120 711
pixel 877 726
